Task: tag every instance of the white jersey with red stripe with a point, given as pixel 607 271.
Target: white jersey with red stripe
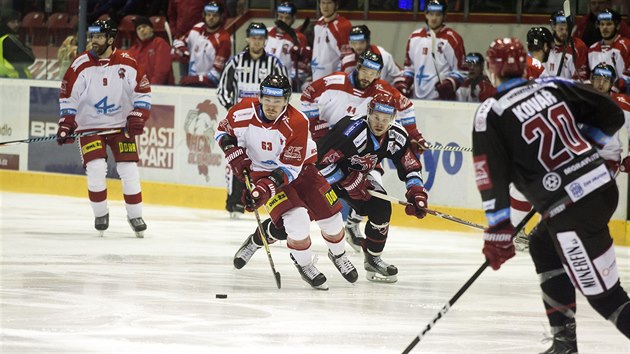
pixel 281 44
pixel 612 150
pixel 419 63
pixel 336 96
pixel 283 143
pixel 617 54
pixel 390 69
pixel 102 92
pixel 575 65
pixel 208 51
pixel 330 43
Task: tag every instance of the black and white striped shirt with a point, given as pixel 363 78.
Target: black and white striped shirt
pixel 242 76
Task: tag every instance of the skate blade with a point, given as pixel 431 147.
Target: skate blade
pixel 354 246
pixel 101 233
pixel 323 287
pixel 379 278
pixel 140 234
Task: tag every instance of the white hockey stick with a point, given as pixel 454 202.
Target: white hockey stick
pixel 433 49
pixel 566 7
pixel 54 137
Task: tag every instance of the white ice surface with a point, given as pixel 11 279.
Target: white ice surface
pixel 65 290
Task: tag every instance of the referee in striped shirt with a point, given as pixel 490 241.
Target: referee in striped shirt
pixel 245 71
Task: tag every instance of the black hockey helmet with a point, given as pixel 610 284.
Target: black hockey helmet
pixel 103 26
pixel 360 33
pixel 474 59
pixel 436 6
pixel 604 70
pixel 370 60
pixel 276 85
pixel 214 7
pixel 558 17
pixel 256 29
pixel 537 37
pixel 609 15
pixel 287 7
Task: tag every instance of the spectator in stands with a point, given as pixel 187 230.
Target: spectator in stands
pixel 152 53
pixel 575 63
pixel 66 53
pixel 207 46
pixel 184 14
pixel 290 45
pixel 612 49
pixel 434 60
pixel 330 42
pixel 360 42
pixel 477 87
pixel 15 57
pixel 587 29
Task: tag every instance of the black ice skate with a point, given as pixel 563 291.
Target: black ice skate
pixel 345 267
pixel 245 253
pixel 236 211
pixel 521 241
pixel 564 339
pixel 138 226
pixel 311 275
pixel 353 232
pixel 379 271
pixel 101 223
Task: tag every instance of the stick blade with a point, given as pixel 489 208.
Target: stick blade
pixel 566 6
pixel 278 281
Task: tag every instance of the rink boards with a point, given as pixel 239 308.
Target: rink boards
pixel 181 165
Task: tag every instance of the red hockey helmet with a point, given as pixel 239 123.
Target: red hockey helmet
pixel 506 57
pixel 383 102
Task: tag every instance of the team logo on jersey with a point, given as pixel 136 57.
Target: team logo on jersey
pixel 367 162
pixel 121 73
pixel 293 153
pixel 552 181
pixel 331 157
pixel 482 173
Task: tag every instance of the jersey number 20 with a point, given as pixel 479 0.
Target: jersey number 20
pixel 559 123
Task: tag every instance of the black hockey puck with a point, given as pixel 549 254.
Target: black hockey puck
pixel 221 296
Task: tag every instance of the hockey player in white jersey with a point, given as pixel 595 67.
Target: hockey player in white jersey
pixel 105 89
pixel 575 65
pixel 434 60
pixel 613 49
pixel 330 41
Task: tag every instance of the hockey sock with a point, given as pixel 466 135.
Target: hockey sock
pixel 614 307
pixel 273 233
pixel 375 237
pixel 335 247
pixel 97 186
pixel 130 178
pixel 558 296
pixel 303 257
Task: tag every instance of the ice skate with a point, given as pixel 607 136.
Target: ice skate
pixel 521 241
pixel 236 211
pixel 311 275
pixel 138 226
pixel 564 340
pixel 379 271
pixel 345 267
pixel 353 232
pixel 245 253
pixel 101 223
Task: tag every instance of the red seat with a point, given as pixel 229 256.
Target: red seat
pixel 60 28
pixel 33 30
pixel 126 32
pixel 159 26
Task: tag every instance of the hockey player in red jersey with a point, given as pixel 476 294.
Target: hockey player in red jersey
pixel 330 42
pixel 613 49
pixel 528 134
pixel 575 65
pixel 104 89
pixel 206 48
pixel 477 86
pixel 269 138
pixel 539 41
pixel 434 58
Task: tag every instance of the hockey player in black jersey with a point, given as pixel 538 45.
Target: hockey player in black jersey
pixel 528 134
pixel 346 157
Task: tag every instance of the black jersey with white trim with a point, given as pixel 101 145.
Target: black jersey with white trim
pixel 541 135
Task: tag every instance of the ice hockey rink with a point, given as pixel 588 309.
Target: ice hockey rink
pixel 66 290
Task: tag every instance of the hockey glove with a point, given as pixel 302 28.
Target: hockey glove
pixel 319 129
pixel 625 165
pixel 446 89
pixel 238 160
pixel 180 51
pixel 264 189
pixel 418 144
pixel 357 186
pixel 613 167
pixel 418 201
pixel 404 84
pixel 497 244
pixel 67 125
pixel 135 121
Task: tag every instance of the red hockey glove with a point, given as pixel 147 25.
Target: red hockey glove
pixel 357 186
pixel 497 244
pixel 625 164
pixel 613 166
pixel 404 84
pixel 135 121
pixel 67 125
pixel 264 189
pixel 238 160
pixel 319 129
pixel 418 200
pixel 446 90
pixel 179 49
pixel 418 144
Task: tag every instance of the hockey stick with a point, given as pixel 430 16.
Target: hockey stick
pixel 429 211
pixel 462 290
pixel 566 6
pixel 449 148
pixel 433 49
pixel 261 232
pixel 296 43
pixel 53 137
